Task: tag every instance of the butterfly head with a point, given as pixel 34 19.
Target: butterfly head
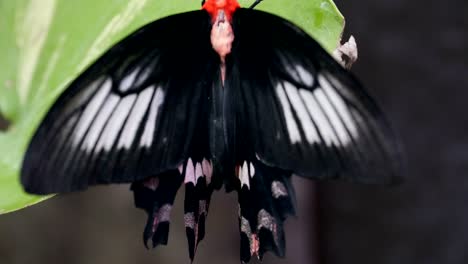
pixel 221 9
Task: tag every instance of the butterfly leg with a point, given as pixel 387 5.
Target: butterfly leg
pixel 202 2
pixel 255 4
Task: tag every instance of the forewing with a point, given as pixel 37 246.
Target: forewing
pixel 294 107
pixel 131 114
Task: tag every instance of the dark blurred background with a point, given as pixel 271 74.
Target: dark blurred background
pixel 413 60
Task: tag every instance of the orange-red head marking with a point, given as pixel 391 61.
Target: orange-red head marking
pixel 214 6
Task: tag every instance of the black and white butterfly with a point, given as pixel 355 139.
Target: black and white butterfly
pixel 155 111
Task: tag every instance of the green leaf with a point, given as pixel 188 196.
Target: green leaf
pixel 45 44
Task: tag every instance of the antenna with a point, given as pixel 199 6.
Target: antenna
pixel 255 4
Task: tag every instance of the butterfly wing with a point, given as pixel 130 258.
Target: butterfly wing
pixel 296 108
pixel 137 111
pixel 291 108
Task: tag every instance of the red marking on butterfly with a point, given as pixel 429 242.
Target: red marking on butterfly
pixel 214 6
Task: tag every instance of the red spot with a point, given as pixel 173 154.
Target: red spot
pixel 155 223
pixel 254 245
pixel 214 6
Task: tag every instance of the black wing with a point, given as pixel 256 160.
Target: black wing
pixel 132 114
pixel 294 107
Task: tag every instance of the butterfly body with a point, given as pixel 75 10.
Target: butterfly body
pixel 242 99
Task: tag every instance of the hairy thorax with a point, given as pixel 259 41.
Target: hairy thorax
pixel 222 35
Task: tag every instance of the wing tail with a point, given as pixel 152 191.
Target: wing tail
pixel 198 190
pixel 156 196
pixel 266 199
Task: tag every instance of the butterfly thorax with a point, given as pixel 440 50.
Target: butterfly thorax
pixel 222 34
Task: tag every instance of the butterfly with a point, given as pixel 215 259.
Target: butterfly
pixel 222 96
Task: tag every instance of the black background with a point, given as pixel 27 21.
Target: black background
pixel 413 59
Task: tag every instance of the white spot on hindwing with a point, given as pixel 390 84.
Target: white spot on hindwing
pixel 264 220
pixel 245 171
pixel 162 215
pixel 190 173
pixel 267 221
pixel 196 170
pixel 207 170
pixel 252 170
pixel 189 220
pixel 278 189
pixel 253 238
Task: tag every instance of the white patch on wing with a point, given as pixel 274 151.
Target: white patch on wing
pixel 148 133
pixel 326 131
pixel 334 119
pixel 293 131
pixel 339 104
pixel 134 120
pixel 91 109
pixel 129 80
pixel 305 76
pixel 144 73
pixel 115 123
pixel 304 117
pixel 98 124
